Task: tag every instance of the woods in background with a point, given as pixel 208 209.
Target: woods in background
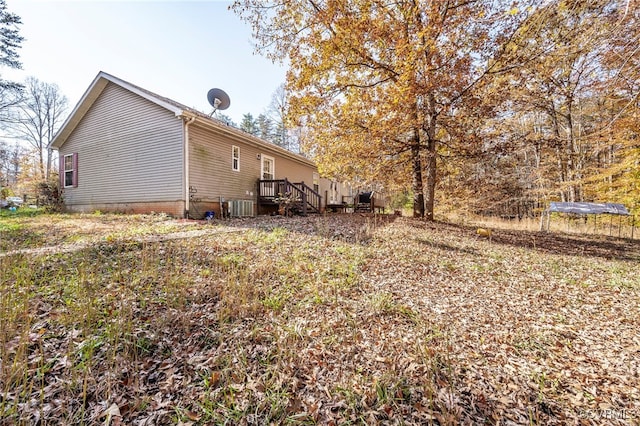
pixel 567 126
pixel 494 106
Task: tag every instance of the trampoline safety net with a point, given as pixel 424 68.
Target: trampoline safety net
pixel 588 208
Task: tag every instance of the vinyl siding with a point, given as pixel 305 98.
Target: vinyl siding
pixel 212 174
pixel 344 192
pixel 129 149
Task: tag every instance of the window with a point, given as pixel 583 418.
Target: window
pixel 268 173
pixel 69 170
pixel 316 182
pixel 333 192
pixel 268 168
pixel 235 158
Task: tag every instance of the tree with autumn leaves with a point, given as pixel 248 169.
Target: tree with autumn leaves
pixel 374 84
pixel 615 170
pixel 567 128
pixel 387 91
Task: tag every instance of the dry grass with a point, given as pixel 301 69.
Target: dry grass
pixel 593 226
pixel 343 319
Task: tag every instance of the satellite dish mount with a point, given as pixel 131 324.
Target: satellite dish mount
pixel 218 99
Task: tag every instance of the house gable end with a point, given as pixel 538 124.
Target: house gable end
pixel 93 93
pixel 130 150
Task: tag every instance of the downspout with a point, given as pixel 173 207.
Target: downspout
pixel 187 193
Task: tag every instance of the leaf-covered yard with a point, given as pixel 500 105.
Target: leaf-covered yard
pixel 343 319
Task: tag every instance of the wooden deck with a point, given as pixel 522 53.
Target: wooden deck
pixel 298 197
pixel 367 202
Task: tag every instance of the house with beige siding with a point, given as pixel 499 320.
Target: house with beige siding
pixel 128 150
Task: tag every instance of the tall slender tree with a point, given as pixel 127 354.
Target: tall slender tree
pixel 39 116
pixel 249 124
pixel 277 111
pixel 5 169
pixel 265 127
pixel 10 158
pixel 10 42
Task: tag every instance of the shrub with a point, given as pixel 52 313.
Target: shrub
pixel 49 196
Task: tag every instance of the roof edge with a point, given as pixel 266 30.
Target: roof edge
pixel 243 136
pixel 102 79
pixel 89 97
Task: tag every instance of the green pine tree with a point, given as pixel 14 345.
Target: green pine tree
pixel 10 42
pixel 249 124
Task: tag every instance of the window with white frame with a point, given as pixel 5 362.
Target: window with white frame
pixel 68 170
pixel 235 158
pixel 268 173
pixel 268 168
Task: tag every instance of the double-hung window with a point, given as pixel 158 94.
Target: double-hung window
pixel 69 170
pixel 235 158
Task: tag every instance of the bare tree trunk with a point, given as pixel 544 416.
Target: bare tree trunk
pixel 41 164
pixel 432 117
pixel 431 180
pixel 40 115
pixel 571 166
pixel 561 156
pixel 49 160
pixel 416 183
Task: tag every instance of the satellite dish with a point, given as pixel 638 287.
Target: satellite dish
pixel 218 99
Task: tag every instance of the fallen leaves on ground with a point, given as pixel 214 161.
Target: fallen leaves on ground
pixel 343 319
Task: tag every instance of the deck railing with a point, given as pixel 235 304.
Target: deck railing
pixel 271 190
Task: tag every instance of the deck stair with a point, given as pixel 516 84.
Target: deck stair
pixel 297 196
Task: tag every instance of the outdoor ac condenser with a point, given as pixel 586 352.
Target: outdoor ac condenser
pixel 240 208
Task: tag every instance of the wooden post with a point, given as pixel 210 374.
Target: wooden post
pixel 258 197
pixel 304 204
pixel 610 224
pixel 548 220
pixel 619 226
pixel 542 221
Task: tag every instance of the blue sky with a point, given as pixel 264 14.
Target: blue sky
pixel 177 49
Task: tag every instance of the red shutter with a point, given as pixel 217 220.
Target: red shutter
pixel 75 169
pixel 61 171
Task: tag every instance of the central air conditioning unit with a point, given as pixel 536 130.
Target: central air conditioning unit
pixel 241 208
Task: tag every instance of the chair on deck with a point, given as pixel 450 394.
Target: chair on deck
pixel 364 202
